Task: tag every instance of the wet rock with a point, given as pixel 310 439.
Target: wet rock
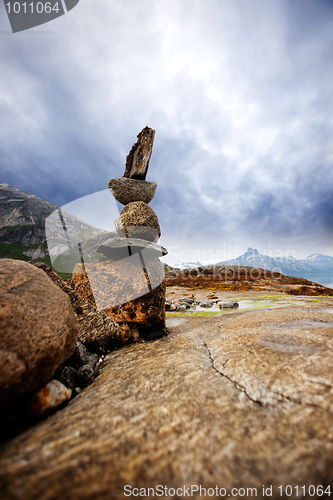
pixel 227 304
pixel 138 220
pixel 48 399
pixel 168 303
pixel 207 304
pixel 127 190
pixel 187 301
pixel 38 329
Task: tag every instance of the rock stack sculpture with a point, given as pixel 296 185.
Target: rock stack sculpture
pixel 127 283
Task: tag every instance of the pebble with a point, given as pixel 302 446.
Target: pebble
pixel 67 375
pixel 48 398
pixel 82 356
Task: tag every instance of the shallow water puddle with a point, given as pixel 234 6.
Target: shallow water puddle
pixel 170 322
pixel 243 305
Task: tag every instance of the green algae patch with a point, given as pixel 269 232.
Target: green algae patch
pixel 204 314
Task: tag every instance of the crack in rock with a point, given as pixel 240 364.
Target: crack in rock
pixel 259 393
pixel 256 390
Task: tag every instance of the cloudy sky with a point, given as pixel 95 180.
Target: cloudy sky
pixel 240 93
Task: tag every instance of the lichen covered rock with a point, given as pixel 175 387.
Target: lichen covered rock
pixel 125 290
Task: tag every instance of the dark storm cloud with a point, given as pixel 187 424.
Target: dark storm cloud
pixel 240 95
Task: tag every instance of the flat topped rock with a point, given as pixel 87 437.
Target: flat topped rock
pixel 126 190
pixel 128 246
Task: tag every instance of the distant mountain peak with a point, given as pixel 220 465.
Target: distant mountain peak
pixel 252 250
pixel 311 267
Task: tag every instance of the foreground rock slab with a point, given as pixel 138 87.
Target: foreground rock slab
pixel 240 400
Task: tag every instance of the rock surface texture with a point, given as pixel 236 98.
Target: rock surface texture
pixel 96 331
pixel 38 329
pixel 126 190
pixel 138 220
pixel 240 400
pixel 135 301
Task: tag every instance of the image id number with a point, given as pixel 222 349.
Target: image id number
pixel 32 8
pixel 311 491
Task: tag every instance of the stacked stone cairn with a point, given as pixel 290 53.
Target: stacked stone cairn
pixel 128 282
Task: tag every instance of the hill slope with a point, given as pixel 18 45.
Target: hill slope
pixel 22 226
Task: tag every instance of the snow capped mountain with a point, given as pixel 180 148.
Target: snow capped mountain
pixel 319 260
pixel 187 265
pixel 315 267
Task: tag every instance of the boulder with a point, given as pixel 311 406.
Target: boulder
pixel 96 331
pixel 38 329
pixel 138 220
pixel 131 294
pixel 127 190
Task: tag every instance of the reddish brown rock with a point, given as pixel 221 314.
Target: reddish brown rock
pixel 125 290
pixel 137 160
pixel 96 330
pixel 138 220
pixel 38 329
